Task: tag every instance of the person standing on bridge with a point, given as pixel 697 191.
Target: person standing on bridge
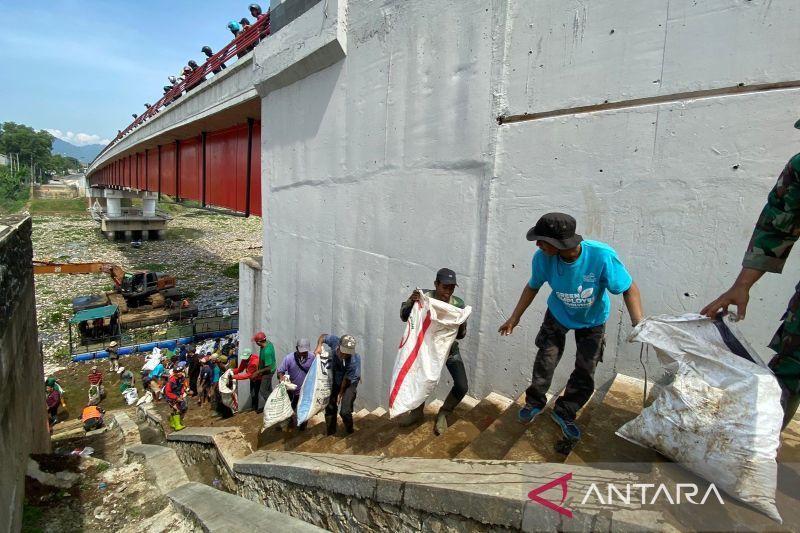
pixel 579 273
pixel 774 235
pixel 444 285
pixel 209 53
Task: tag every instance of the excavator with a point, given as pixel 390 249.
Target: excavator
pixel 131 289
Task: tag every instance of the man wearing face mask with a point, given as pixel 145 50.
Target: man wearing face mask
pixel 444 286
pixel 579 273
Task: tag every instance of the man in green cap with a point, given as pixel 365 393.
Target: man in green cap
pixel 776 231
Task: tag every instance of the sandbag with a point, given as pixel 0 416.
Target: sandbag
pixel 278 407
pixel 720 416
pixel 430 331
pixel 316 389
pixel 152 360
pixel 227 390
pixel 94 394
pixel 131 395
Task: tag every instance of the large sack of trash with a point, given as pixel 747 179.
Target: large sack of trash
pixel 278 407
pixel 720 416
pixel 152 360
pixel 316 388
pixel 430 331
pixel 227 390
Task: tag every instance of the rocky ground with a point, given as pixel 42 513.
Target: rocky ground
pixel 99 492
pixel 201 248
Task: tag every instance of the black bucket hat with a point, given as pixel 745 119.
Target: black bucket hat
pixel 557 229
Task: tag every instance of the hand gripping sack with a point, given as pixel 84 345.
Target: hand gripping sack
pixel 430 331
pixel 720 417
pixel 278 407
pixel 316 388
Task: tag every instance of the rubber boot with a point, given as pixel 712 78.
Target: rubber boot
pixel 414 417
pixel 441 418
pixel 172 422
pixel 348 423
pixel 179 423
pixel 330 423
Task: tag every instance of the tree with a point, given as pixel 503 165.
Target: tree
pixel 33 147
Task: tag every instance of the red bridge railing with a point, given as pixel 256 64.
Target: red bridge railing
pixel 237 47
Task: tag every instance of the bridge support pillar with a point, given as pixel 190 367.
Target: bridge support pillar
pixel 149 200
pixel 113 202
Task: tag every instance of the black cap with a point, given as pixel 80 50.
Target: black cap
pixel 446 276
pixel 557 229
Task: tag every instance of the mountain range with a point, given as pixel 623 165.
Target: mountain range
pixel 84 154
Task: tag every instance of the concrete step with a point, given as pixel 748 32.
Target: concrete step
pixel 460 434
pixel 600 444
pixel 288 440
pixel 495 441
pixel 362 441
pixel 162 463
pixel 215 510
pixel 361 419
pixel 406 441
pixel 385 431
pixel 537 443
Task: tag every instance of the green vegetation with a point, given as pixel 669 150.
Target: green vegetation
pixel 102 467
pixel 56 206
pixel 56 317
pixel 31 517
pixel 231 271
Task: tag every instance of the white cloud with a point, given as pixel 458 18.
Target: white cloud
pixel 78 139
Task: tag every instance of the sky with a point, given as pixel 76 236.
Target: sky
pixel 79 68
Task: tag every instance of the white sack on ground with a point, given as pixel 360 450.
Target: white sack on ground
pixel 278 407
pixel 316 388
pixel 721 415
pixel 430 331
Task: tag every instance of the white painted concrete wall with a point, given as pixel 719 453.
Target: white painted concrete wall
pixel 251 315
pixel 389 164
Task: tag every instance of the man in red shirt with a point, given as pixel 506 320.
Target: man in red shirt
pixel 175 391
pixel 96 388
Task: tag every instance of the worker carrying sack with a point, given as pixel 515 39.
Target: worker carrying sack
pixel 278 407
pixel 430 331
pixel 720 416
pixel 316 388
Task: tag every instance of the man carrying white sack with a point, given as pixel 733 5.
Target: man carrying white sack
pixel 580 273
pixel 444 286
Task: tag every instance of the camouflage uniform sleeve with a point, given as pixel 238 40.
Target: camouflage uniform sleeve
pixel 778 226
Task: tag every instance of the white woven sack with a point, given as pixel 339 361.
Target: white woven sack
pixel 316 388
pixel 430 331
pixel 721 415
pixel 278 407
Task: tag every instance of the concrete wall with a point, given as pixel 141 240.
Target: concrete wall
pixel 385 165
pixel 23 416
pixel 251 314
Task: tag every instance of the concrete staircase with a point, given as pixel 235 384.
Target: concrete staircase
pixel 486 429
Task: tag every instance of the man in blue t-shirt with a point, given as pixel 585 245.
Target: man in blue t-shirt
pixel 579 273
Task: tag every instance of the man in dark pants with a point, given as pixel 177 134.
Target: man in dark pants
pixel 346 366
pixel 579 273
pixel 444 285
pixel 774 235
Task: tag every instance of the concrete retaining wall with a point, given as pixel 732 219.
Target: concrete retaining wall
pixel 390 163
pixel 23 414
